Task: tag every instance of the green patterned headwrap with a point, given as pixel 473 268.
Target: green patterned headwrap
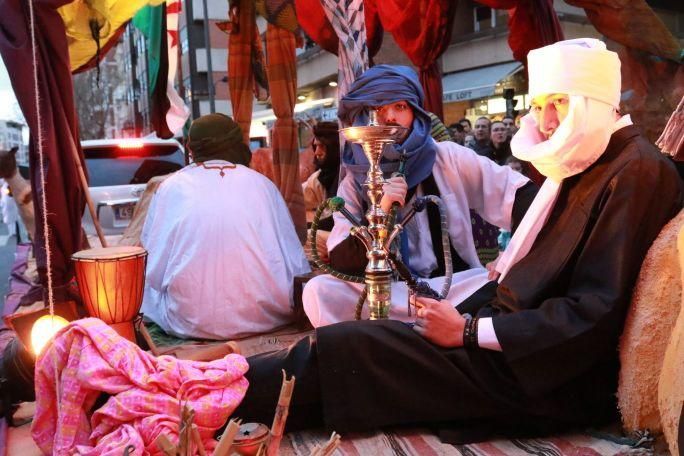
pixel 217 137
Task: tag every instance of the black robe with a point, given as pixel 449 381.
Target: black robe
pixel 557 315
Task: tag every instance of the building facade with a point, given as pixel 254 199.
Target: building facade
pixel 11 135
pixel 480 75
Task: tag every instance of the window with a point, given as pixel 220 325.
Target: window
pixel 112 165
pixel 484 18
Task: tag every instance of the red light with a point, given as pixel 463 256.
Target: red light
pixel 131 145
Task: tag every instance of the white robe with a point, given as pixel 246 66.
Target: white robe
pixel 223 252
pixel 465 181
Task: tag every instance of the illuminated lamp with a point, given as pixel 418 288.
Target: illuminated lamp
pixel 301 97
pixel 43 330
pixel 111 281
pixel 18 361
pixel 131 144
pixel 23 323
pixel 332 84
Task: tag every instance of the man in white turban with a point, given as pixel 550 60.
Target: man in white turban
pixel 540 350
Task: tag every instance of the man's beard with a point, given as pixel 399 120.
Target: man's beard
pixel 318 163
pixel 401 137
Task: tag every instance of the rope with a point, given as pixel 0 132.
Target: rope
pixel 43 196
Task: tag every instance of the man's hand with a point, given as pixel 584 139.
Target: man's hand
pixel 394 192
pixel 439 322
pixel 493 274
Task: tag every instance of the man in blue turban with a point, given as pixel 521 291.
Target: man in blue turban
pixel 463 179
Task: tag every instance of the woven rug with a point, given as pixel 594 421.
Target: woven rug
pixel 421 442
pixel 249 346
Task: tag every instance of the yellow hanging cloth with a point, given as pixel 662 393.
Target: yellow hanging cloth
pixel 109 16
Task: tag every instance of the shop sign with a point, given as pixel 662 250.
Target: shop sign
pixel 468 94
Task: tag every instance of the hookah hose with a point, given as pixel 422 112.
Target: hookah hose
pixel 335 204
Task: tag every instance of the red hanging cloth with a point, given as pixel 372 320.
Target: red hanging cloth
pixel 65 198
pixel 532 24
pixel 422 29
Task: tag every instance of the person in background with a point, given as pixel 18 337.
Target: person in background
pixel 500 149
pixel 467 127
pixel 322 184
pixel 469 138
pixel 482 144
pixel 457 133
pixel 511 128
pixel 505 235
pixel 517 165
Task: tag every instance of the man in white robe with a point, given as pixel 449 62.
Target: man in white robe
pixel 463 179
pixel 222 246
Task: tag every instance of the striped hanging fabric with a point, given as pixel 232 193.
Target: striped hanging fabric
pixel 240 72
pixel 348 21
pixel 281 69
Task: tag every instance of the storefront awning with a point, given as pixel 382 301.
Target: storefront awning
pixel 477 83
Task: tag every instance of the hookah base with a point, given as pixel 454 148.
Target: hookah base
pixel 379 293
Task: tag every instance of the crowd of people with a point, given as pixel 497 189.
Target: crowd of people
pixel 501 351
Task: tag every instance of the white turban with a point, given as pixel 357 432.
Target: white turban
pixel 590 75
pixel 577 67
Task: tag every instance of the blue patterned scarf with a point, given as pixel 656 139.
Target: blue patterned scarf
pixel 379 86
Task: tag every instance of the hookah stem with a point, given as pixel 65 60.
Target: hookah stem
pixel 314 249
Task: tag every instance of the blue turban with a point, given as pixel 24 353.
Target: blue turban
pixel 379 86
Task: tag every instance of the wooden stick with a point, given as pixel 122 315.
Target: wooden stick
pixel 185 430
pixel 227 438
pixel 282 410
pixel 198 440
pixel 330 448
pixel 263 449
pixel 86 192
pixel 165 445
pixel 142 329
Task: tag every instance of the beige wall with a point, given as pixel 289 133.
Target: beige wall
pixel 318 68
pixel 479 52
pixel 453 112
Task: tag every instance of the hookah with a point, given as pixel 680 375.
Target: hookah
pixel 382 229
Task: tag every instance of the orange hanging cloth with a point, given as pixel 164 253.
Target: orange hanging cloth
pixel 282 80
pixel 243 32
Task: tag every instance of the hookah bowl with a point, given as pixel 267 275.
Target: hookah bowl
pixel 375 237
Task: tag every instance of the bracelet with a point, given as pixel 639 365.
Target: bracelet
pixel 470 333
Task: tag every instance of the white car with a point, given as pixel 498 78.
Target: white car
pixel 118 171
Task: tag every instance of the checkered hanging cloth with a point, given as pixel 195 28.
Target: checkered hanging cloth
pixel 281 69
pixel 348 20
pixel 240 72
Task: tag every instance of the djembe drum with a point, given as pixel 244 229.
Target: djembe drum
pixel 111 281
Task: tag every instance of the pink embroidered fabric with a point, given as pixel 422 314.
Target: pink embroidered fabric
pixel 146 393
